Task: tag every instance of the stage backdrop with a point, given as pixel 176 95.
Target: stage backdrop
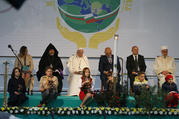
pixel 90 24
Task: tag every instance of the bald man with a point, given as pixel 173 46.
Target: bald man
pixel 135 63
pixel 106 66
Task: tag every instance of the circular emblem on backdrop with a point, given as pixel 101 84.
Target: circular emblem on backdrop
pixel 88 16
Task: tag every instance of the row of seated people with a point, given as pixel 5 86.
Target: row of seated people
pixel 135 63
pixel 49 59
pixel 49 88
pixel 163 66
pixel 169 88
pixel 17 88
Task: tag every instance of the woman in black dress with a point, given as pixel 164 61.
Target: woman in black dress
pixel 16 88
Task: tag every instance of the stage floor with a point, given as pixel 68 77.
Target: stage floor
pixel 74 101
pixel 61 101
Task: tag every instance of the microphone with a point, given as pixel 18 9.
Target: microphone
pixel 9 46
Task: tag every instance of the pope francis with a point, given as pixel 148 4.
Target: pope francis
pixel 75 66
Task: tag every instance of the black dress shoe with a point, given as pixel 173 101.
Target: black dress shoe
pixel 28 91
pixel 31 92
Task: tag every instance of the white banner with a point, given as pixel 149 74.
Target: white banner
pixel 90 24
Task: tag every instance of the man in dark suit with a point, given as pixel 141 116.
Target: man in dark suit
pixel 106 66
pixel 135 63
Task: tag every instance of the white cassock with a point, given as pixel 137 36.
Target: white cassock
pixel 164 64
pixel 75 63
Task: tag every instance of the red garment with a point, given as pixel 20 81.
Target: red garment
pixel 168 77
pixel 82 95
pixel 172 99
pixel 84 89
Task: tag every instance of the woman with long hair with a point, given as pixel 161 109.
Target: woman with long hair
pixel 16 88
pixel 26 65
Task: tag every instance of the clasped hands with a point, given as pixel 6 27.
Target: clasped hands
pixel 78 72
pixel 165 72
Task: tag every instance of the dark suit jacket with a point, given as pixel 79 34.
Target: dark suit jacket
pixel 130 64
pixel 104 64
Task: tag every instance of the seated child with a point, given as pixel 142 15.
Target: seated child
pixel 110 82
pixel 48 87
pixel 139 83
pixel 86 92
pixel 171 88
pixel 112 100
pixel 109 92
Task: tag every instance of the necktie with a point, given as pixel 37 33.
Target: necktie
pixel 110 60
pixel 136 63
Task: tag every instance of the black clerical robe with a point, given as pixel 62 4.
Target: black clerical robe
pixel 52 61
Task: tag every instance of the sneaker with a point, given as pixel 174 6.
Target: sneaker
pixel 175 106
pixel 40 105
pixel 31 92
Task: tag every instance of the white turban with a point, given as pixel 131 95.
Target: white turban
pixel 164 47
pixel 80 48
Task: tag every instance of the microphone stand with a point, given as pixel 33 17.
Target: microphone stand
pixel 16 56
